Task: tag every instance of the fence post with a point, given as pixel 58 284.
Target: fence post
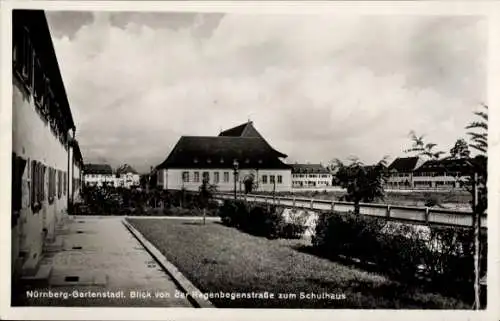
pixel 312 203
pixel 388 214
pixel 427 212
pixel 333 206
pixel 293 202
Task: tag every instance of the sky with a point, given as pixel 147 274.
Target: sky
pixel 317 87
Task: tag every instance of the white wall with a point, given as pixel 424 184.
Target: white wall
pixel 128 180
pixel 32 139
pixel 98 179
pixel 303 179
pixel 172 179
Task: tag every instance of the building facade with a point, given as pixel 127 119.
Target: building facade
pixel 238 159
pixel 45 155
pixel 445 174
pixel 127 177
pixel 99 175
pixel 310 176
pixel 401 172
pixel 417 173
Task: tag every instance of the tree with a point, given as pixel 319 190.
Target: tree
pixel 249 183
pixel 460 149
pixel 205 195
pixel 477 185
pixel 362 183
pixel 421 148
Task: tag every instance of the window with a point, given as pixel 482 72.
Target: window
pixel 226 177
pixel 280 179
pixel 185 177
pixel 271 179
pixel 18 165
pixel 59 184
pixel 23 53
pixel 37 185
pixel 39 84
pixel 196 178
pixel 264 179
pixel 206 177
pixel 65 180
pixel 216 177
pixel 52 185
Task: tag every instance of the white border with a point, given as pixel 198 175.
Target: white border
pixel 489 9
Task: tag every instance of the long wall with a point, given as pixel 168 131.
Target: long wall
pixel 33 140
pixel 173 179
pixel 41 153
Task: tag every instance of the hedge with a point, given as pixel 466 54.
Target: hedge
pixel 442 254
pixel 109 200
pixel 260 220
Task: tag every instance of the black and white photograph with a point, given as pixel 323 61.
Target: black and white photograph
pixel 222 159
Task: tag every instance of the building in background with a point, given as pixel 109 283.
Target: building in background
pixel 77 170
pixel 126 176
pixel 234 160
pixel 44 150
pixel 416 173
pixel 310 176
pixel 98 175
pixel 401 172
pixel 445 174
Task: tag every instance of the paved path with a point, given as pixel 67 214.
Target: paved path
pixel 99 257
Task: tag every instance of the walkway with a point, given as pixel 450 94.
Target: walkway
pixel 96 261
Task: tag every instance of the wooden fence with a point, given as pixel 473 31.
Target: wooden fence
pixel 406 214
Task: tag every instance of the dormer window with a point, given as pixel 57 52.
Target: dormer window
pixel 209 161
pixel 195 160
pixel 222 160
pixel 247 161
pixel 260 161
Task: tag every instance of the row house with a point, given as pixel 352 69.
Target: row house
pixel 46 158
pixel 102 174
pixel 126 176
pixel 401 172
pixel 417 173
pixel 98 175
pixel 232 161
pixel 310 176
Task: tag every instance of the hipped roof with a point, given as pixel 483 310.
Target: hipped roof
pixel 309 168
pixel 404 164
pixel 103 169
pixel 221 151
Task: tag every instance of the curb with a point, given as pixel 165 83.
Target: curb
pixel 179 279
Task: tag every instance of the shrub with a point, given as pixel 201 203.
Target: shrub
pixel 401 250
pixel 294 226
pixel 232 212
pixel 264 221
pixel 431 200
pixel 260 220
pixel 347 234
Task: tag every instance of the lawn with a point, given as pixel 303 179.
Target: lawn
pixel 219 258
